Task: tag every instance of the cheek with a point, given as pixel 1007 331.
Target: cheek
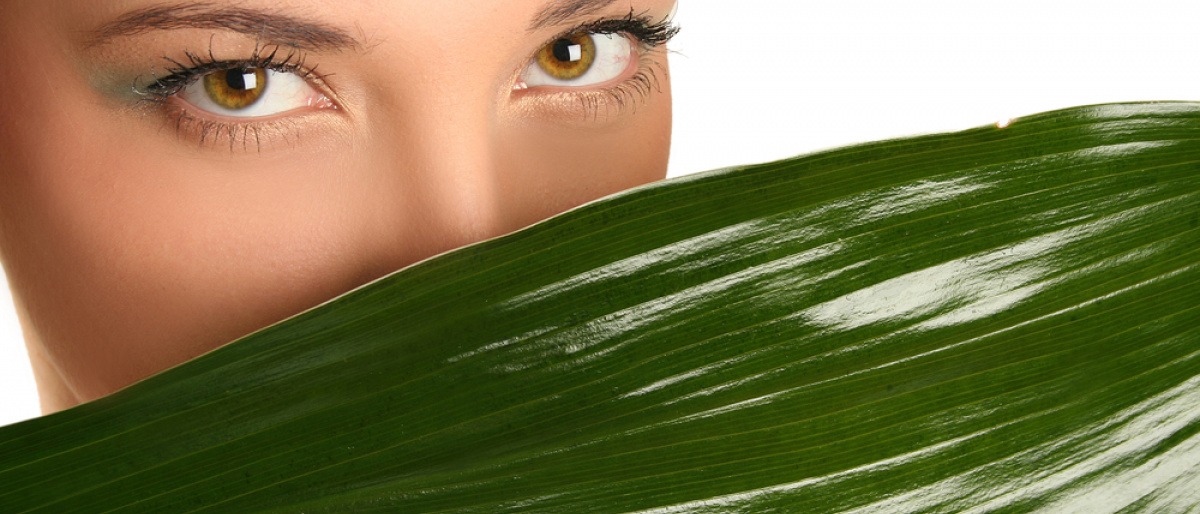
pixel 131 251
pixel 550 168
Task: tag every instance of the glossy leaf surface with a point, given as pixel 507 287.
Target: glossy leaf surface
pixel 996 319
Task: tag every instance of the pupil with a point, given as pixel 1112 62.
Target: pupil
pixel 562 50
pixel 236 80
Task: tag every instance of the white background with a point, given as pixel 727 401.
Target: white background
pixel 758 80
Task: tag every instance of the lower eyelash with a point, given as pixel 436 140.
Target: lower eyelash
pixel 161 96
pixel 630 93
pixel 650 36
pixel 627 95
pixel 241 135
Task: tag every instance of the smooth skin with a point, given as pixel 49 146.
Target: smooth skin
pixel 135 237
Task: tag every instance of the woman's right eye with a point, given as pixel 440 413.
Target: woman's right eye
pixel 580 59
pixel 251 92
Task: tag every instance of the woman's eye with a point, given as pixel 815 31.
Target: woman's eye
pixel 580 59
pixel 251 92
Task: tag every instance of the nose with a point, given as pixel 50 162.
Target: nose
pixel 436 179
pixel 455 170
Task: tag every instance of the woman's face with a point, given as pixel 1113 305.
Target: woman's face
pixel 174 175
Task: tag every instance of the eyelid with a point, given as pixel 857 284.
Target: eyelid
pixel 643 33
pixel 641 28
pixel 604 101
pixel 182 74
pixel 282 94
pixel 163 96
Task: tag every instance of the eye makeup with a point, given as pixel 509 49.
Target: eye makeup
pixel 588 99
pixel 235 102
pixel 241 100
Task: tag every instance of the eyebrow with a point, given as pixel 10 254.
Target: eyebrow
pixel 275 28
pixel 559 11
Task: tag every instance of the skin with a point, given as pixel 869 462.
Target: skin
pixel 131 246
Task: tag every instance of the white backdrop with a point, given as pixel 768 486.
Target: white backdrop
pixel 758 80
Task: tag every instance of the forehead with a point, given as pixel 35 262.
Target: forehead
pixel 313 21
pixel 416 36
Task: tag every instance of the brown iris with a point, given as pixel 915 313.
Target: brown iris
pixel 236 88
pixel 568 57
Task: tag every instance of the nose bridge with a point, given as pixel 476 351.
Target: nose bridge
pixel 447 152
pixel 459 162
pixel 438 180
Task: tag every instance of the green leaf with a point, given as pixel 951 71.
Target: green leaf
pixel 996 319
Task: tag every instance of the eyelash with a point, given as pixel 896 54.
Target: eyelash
pixel 649 34
pixel 195 66
pixel 181 75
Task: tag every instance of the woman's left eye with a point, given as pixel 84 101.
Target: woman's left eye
pixel 251 92
pixel 580 59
